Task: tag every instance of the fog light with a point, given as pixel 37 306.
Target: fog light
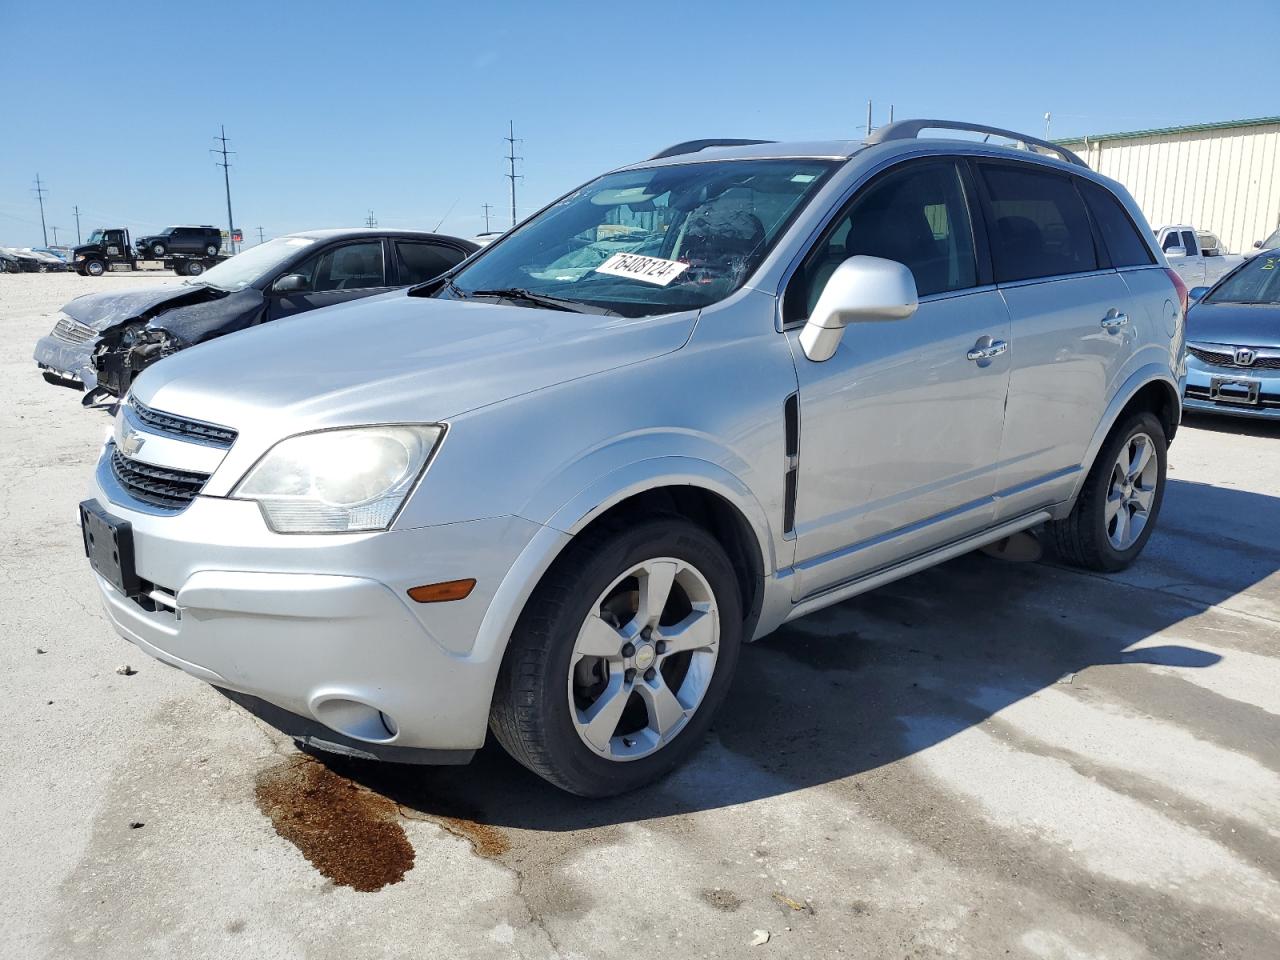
pixel 439 592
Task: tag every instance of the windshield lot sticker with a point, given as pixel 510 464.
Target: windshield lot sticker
pixel 635 266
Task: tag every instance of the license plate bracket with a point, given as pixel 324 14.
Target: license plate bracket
pixel 1241 390
pixel 108 543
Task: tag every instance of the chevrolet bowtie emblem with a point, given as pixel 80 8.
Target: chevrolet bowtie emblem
pixel 131 441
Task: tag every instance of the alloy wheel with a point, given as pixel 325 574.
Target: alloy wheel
pixel 643 659
pixel 1132 491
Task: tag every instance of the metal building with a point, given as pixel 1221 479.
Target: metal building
pixel 1220 177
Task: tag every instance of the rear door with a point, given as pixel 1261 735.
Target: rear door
pixel 336 274
pixel 1182 250
pixel 1072 329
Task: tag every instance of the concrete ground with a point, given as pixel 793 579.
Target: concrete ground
pixel 989 759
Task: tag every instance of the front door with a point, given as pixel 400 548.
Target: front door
pixel 334 275
pixel 900 430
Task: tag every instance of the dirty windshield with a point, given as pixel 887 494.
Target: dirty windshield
pixel 249 266
pixel 1258 281
pixel 649 241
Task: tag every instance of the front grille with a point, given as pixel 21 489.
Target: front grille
pixel 73 331
pixel 1227 358
pixel 158 486
pixel 183 427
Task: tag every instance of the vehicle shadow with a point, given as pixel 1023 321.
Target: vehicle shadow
pixel 1241 426
pixel 887 674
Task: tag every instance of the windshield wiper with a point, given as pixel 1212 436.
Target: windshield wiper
pixel 538 299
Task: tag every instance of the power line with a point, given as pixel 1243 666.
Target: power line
pixel 486 207
pixel 40 191
pixel 225 164
pixel 512 158
pixel 370 220
pixel 77 224
pixel 260 239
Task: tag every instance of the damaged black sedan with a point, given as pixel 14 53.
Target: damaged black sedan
pixel 102 341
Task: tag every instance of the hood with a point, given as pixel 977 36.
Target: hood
pixel 102 311
pixel 395 358
pixel 1243 324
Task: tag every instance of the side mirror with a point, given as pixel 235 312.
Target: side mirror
pixel 1196 293
pixel 290 283
pixel 1176 252
pixel 861 290
pixel 1257 244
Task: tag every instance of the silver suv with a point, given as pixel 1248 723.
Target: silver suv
pixel 552 493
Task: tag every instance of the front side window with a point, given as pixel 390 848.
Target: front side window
pixel 1171 239
pixel 420 262
pixel 1119 233
pixel 649 241
pixel 917 216
pixel 1257 281
pixel 1039 226
pixel 253 264
pixel 354 266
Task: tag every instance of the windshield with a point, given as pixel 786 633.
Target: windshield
pixel 97 237
pixel 250 265
pixel 1272 241
pixel 651 241
pixel 1257 281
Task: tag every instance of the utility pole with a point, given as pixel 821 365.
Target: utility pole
pixel 486 207
pixel 370 220
pixel 512 158
pixel 868 118
pixel 260 240
pixel 891 113
pixel 40 191
pixel 78 241
pixel 225 164
pixel 55 235
pixel 1048 120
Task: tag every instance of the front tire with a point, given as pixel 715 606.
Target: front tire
pixel 1116 511
pixel 95 268
pixel 211 250
pixel 621 657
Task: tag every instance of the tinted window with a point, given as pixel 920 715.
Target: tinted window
pixel 916 216
pixel 1039 228
pixel 1171 240
pixel 1123 241
pixel 1189 241
pixel 350 267
pixel 420 262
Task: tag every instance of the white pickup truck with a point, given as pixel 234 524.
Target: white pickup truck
pixel 1196 255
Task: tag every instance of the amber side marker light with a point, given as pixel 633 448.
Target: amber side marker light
pixel 439 592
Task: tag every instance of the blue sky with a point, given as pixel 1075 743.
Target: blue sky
pixel 338 108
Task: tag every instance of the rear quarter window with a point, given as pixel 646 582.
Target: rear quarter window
pixel 1120 235
pixel 1039 227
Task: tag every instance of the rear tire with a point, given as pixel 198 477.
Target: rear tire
pixel 194 268
pixel 662 582
pixel 158 250
pixel 1116 511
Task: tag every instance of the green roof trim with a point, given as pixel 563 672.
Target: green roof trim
pixel 1166 131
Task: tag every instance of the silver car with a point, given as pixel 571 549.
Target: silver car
pixel 1233 342
pixel 551 494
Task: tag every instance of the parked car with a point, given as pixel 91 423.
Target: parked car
pixel 204 240
pixel 553 502
pixel 27 262
pixel 1272 242
pixel 8 262
pixel 102 341
pixel 46 262
pixel 1233 342
pixel 1196 255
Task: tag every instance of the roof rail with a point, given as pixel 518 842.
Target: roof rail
pixel 910 130
pixel 693 146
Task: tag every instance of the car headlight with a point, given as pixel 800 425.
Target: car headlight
pixel 335 481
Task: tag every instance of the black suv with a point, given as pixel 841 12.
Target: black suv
pixel 204 241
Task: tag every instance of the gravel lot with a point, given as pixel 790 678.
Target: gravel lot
pixel 989 759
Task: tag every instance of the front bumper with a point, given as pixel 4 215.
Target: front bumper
pixel 1197 393
pixel 321 626
pixel 70 361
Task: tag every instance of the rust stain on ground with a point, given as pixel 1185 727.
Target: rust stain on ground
pixel 350 834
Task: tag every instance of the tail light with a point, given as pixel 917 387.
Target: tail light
pixel 1184 297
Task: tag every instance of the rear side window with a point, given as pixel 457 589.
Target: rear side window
pixel 1190 243
pixel 1039 226
pixel 1123 241
pixel 420 262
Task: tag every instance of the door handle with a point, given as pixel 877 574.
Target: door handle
pixel 1114 321
pixel 989 352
